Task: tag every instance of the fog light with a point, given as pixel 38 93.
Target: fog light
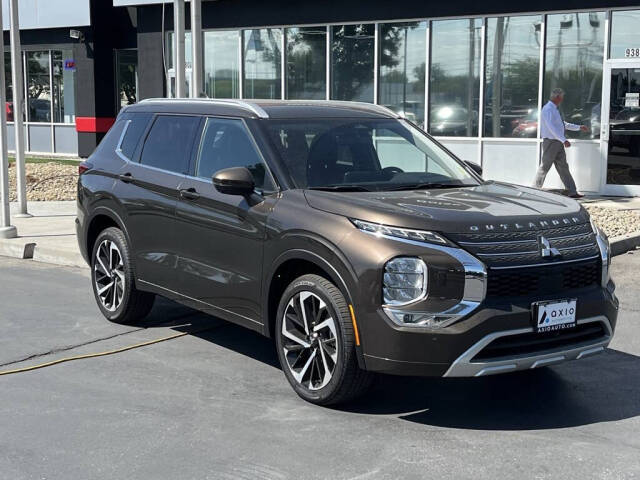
pixel 405 281
pixel 421 319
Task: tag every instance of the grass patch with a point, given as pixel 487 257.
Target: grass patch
pixel 58 160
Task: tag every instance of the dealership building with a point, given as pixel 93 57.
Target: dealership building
pixel 472 74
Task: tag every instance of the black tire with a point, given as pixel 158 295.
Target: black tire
pixel 347 380
pixel 133 305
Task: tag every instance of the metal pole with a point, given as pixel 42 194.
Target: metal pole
pixel 178 34
pixel 6 229
pixel 196 48
pixel 18 108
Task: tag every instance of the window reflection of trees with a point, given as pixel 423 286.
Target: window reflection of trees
pixel 38 87
pixel 574 57
pixel 352 52
pixel 262 60
pixel 306 63
pixel 402 69
pixel 455 77
pixel 512 71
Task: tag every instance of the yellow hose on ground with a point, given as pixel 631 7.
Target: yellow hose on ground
pixel 99 354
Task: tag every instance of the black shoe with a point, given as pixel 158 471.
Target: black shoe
pixel 576 195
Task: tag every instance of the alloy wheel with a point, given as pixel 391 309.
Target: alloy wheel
pixel 309 340
pixel 109 275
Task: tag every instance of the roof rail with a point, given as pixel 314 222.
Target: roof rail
pixel 346 103
pixel 371 106
pixel 252 107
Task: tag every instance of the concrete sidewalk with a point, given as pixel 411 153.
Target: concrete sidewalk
pixel 50 236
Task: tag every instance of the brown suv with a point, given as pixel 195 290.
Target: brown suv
pixel 345 233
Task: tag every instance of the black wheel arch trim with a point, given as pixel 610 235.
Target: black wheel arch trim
pixel 102 210
pixel 340 279
pixel 336 276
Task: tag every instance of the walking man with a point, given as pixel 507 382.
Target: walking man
pixel 552 128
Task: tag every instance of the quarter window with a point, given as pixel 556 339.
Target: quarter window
pixel 135 129
pixel 169 142
pixel 225 144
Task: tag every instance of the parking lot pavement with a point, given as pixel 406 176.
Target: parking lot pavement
pixel 214 404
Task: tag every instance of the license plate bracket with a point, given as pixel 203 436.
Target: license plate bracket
pixel 554 315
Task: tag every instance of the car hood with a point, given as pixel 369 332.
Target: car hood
pixel 491 207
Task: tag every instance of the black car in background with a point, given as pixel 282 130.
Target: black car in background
pixel 345 233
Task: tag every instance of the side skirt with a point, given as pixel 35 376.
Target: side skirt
pixel 202 306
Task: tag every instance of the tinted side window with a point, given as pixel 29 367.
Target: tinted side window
pixel 137 125
pixel 225 144
pixel 111 139
pixel 169 142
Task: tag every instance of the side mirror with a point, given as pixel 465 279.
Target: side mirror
pixel 234 181
pixel 474 166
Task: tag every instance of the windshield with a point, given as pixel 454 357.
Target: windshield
pixel 363 154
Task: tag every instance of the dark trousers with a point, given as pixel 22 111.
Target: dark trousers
pixel 553 154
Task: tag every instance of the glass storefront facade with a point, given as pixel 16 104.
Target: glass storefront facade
pixel 49 89
pixel 476 83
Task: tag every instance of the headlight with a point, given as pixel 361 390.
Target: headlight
pixel 401 233
pixel 605 252
pixel 405 281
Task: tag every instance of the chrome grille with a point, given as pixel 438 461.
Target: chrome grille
pixel 500 250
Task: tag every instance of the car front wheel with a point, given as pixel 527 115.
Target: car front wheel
pixel 316 342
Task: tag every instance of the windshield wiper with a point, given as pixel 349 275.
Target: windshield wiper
pixel 341 188
pixel 429 186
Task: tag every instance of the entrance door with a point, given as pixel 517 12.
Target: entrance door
pixel 126 77
pixel 620 129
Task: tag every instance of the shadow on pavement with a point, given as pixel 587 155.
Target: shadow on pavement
pixel 600 389
pixel 603 388
pixel 169 314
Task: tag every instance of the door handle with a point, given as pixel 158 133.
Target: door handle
pixel 189 194
pixel 126 177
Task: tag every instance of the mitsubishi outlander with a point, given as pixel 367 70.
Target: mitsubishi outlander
pixel 345 233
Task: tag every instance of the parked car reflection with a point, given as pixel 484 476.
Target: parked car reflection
pixel 527 126
pixel 453 121
pixel 625 131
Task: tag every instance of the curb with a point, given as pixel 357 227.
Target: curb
pixel 15 248
pixel 59 257
pixel 624 243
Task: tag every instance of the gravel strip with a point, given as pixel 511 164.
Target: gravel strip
pixel 46 181
pixel 615 222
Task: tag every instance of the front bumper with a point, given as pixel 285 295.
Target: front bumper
pixel 467 365
pixel 460 350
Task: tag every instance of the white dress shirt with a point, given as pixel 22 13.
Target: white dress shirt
pixel 551 124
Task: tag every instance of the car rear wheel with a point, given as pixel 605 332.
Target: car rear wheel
pixel 316 343
pixel 113 282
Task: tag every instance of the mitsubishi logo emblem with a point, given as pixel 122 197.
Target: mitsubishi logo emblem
pixel 546 250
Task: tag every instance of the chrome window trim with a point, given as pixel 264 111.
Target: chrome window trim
pixel 119 146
